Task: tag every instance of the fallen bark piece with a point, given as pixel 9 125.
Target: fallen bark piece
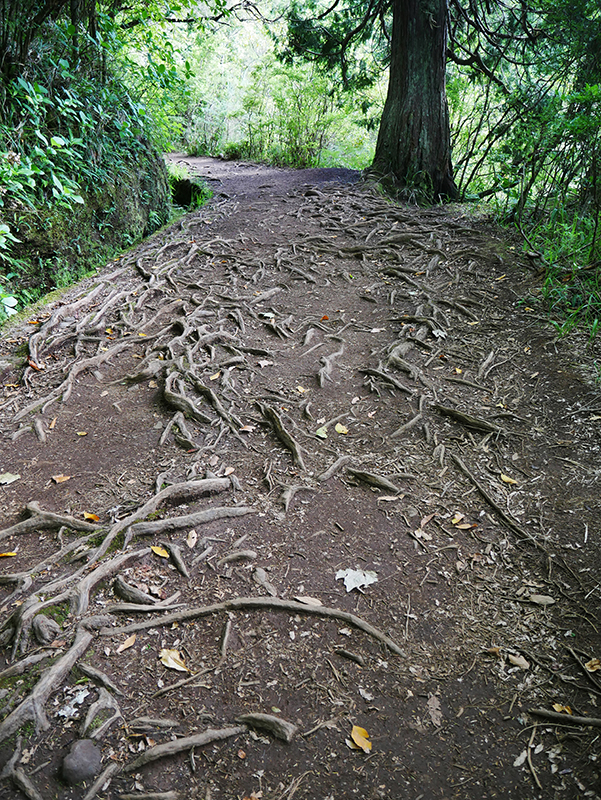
pixel 187 743
pixel 280 728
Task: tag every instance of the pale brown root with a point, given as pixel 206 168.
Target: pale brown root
pixel 565 719
pixel 407 426
pixel 283 435
pixel 105 776
pixel 491 501
pixel 179 745
pixel 43 520
pixel 260 603
pixel 334 468
pixel 198 518
pixel 99 677
pixel 374 480
pixel 475 423
pixel 32 708
pixel 279 728
pixel 80 596
pixel 105 701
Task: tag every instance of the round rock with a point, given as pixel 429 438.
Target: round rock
pixel 82 763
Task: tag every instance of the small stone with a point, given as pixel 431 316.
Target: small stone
pixel 82 762
pixel 45 629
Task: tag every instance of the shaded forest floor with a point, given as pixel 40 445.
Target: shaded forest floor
pixel 299 383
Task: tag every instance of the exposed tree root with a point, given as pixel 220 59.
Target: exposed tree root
pixel 32 708
pixel 259 603
pixel 179 745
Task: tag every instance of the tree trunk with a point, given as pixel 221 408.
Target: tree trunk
pixel 414 137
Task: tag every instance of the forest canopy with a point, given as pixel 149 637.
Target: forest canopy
pixel 486 101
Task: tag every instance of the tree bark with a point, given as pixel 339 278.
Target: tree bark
pixel 414 137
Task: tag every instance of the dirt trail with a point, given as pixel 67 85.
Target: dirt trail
pixel 299 380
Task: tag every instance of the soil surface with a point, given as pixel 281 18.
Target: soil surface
pixel 301 386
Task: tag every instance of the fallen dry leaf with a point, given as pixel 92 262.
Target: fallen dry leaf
pixel 340 428
pixel 507 479
pixel 4 555
pixel 91 517
pixel 457 518
pixel 8 477
pixel 215 376
pixel 361 738
pixel 593 665
pixel 247 428
pixel 519 661
pixel 191 538
pixel 159 551
pixel 129 642
pixel 434 710
pixel 52 424
pixel 541 599
pixel 173 659
pixel 562 709
pixel 61 478
pixel 308 601
pixel 322 433
pixel 82 433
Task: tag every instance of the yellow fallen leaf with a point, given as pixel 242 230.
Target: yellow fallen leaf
pixel 82 433
pixel 142 334
pixel 61 478
pixel 593 665
pixel 52 424
pixel 173 659
pixel 322 433
pixel 361 738
pixel 4 555
pixel 457 518
pixel 340 428
pixel 91 517
pixel 159 551
pixel 215 376
pixel 129 642
pixel 507 479
pixel 301 389
pixel 457 371
pixel 561 709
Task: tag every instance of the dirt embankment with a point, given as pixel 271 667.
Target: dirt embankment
pixel 300 500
